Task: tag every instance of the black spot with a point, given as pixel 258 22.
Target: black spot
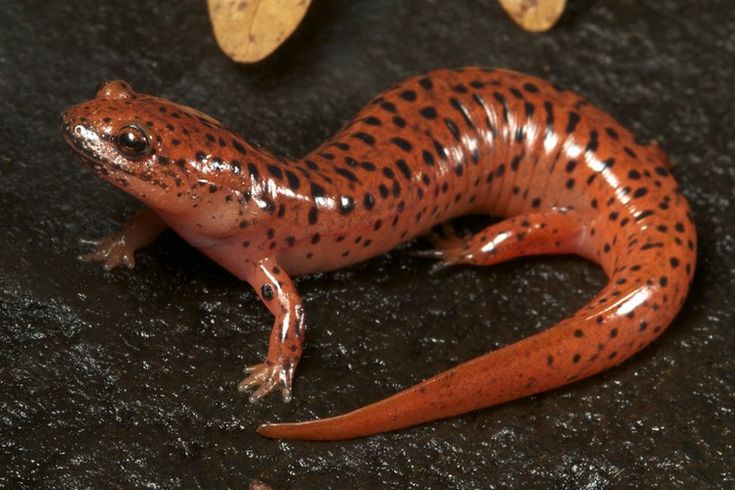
pixel 500 170
pixel 613 333
pixel 499 97
pixel 267 291
pixel 364 137
pixel 428 158
pixel 576 358
pixel 569 184
pixel 293 181
pixel 459 170
pixel 549 108
pixel 274 171
pixel 313 215
pixel 515 163
pixel 640 192
pixel 644 214
pixel 426 83
pixel 201 156
pixel 428 112
pixel 315 238
pixel 634 174
pixel 311 164
pixel 529 108
pixel 663 281
pixel 529 87
pixel 674 262
pixel 452 128
pixel 372 120
pixel 571 164
pixel 593 142
pixel 346 174
pixel 459 88
pixel 401 143
pixel 573 121
pixel 369 166
pixel 408 95
pixel 399 121
pixel 440 151
pixel 317 190
pixel 383 191
pixel 403 167
pixel 630 152
pixel 578 333
pixel 377 225
pixel 253 170
pixel 388 172
pixel 460 107
pixel 396 188
pixel 536 202
pixel 663 172
pixel 388 106
pixel 346 204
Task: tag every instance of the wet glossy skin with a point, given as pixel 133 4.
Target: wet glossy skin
pixel 568 178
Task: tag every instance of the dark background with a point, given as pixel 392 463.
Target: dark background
pixel 128 378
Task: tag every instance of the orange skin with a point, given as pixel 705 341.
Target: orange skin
pixel 565 175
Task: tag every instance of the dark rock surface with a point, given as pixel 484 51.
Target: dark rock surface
pixel 127 378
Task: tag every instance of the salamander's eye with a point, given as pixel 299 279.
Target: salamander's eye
pixel 133 142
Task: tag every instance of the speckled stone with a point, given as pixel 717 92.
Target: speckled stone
pixel 128 378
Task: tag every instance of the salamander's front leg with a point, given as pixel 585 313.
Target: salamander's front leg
pixel 279 294
pixel 118 248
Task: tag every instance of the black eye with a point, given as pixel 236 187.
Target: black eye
pixel 133 142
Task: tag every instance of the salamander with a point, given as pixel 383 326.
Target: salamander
pixel 565 177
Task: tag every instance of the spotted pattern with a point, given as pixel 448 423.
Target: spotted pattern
pixel 566 177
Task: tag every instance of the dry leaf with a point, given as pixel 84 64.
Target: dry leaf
pixel 534 15
pixel 249 30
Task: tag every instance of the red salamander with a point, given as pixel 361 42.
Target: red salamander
pixel 565 176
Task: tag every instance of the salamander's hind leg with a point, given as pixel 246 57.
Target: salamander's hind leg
pixel 552 232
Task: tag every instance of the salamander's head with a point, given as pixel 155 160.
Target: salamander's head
pixel 173 158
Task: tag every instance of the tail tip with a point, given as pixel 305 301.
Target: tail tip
pixel 270 430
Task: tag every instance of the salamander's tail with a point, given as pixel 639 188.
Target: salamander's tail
pixel 623 318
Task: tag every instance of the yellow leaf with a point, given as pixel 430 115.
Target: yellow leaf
pixel 249 30
pixel 534 15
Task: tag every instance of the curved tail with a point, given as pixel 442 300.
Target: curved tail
pixel 643 295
